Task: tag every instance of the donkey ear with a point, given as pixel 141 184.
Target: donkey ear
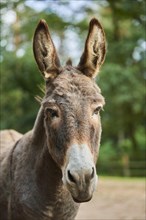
pixel 45 52
pixel 94 51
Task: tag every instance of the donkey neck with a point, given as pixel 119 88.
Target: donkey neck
pixel 48 173
pixel 49 177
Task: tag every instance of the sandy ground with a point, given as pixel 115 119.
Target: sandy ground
pixel 116 199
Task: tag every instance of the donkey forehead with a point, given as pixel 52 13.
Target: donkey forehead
pixel 73 85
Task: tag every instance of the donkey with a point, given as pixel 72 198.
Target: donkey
pixel 51 169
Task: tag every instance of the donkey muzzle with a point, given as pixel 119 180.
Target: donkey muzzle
pixel 79 174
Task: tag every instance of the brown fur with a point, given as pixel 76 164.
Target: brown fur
pixel 31 184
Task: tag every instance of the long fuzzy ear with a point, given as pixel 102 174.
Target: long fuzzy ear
pixel 45 52
pixel 94 51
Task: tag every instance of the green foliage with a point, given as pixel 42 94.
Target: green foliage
pixel 107 152
pixel 19 85
pixel 121 79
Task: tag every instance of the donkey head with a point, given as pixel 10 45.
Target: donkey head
pixel 71 108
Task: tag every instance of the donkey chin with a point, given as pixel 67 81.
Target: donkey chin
pixel 79 173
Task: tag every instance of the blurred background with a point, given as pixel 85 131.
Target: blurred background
pixel 121 78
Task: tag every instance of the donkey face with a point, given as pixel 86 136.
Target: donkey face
pixel 71 109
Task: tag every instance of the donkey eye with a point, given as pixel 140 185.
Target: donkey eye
pixel 96 111
pixel 52 112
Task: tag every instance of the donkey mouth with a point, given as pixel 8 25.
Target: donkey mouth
pixel 79 200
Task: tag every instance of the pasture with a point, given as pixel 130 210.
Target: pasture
pixel 116 199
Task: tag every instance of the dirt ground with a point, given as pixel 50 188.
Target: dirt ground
pixel 116 199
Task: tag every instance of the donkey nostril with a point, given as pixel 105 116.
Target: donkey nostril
pixel 92 174
pixel 71 177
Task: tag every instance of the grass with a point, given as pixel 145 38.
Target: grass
pixel 121 178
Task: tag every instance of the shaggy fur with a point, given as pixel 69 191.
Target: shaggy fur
pixel 31 186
